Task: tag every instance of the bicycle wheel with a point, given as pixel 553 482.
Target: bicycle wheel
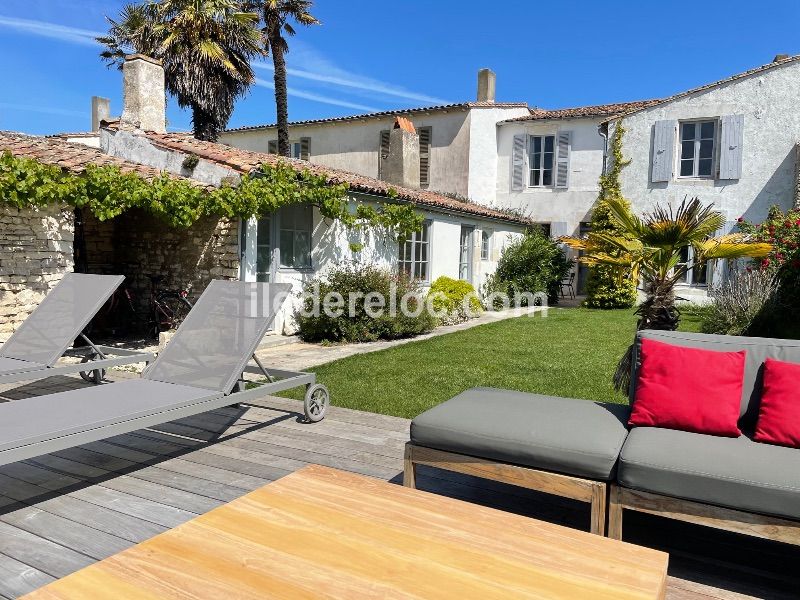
pixel 171 310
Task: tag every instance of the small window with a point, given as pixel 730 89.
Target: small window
pixel 486 238
pixel 697 148
pixel 698 274
pixel 414 255
pixel 296 225
pixel 541 151
pixel 545 227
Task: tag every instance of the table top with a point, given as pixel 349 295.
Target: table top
pixel 324 533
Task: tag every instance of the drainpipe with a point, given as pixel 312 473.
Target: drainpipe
pixel 602 131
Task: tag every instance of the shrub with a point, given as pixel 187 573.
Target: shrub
pixel 358 281
pixel 455 298
pixel 738 305
pixel 529 265
pixel 605 288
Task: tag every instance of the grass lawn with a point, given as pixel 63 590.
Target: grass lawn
pixel 571 352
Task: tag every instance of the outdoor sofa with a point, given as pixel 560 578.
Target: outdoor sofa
pixel 586 450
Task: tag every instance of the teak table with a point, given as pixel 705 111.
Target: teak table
pixel 323 533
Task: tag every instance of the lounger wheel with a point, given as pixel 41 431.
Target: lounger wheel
pixel 95 376
pixel 316 402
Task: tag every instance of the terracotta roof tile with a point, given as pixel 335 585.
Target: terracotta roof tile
pixel 599 110
pixel 70 156
pixel 244 161
pixel 390 113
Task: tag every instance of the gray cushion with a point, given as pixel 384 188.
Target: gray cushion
pixel 758 350
pixel 732 472
pixel 574 437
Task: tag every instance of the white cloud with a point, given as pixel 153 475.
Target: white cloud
pixel 48 110
pixel 317 97
pixel 307 63
pixel 64 33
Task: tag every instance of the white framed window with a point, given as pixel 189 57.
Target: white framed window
pixel 698 148
pixel 297 148
pixel 414 256
pixel 296 223
pixel 486 241
pixel 541 155
pixel 698 274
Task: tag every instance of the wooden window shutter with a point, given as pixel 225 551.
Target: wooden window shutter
pixel 663 150
pixel 518 162
pixel 305 148
pixel 272 146
pixel 562 159
pixel 730 147
pixel 425 134
pixel 383 151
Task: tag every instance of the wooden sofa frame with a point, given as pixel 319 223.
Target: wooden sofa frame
pixel 586 490
pixel 771 528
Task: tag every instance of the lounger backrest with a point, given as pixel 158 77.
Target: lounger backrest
pixel 219 335
pixel 60 318
pixel 758 350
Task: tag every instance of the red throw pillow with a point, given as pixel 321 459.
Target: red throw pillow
pixel 688 389
pixel 779 413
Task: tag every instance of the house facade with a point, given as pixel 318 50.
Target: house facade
pixel 732 143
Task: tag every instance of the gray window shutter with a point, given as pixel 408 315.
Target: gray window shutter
pixel 383 151
pixel 730 147
pixel 425 134
pixel 518 162
pixel 562 159
pixel 272 146
pixel 305 148
pixel 663 150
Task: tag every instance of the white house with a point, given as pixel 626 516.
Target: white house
pixel 732 142
pixel 457 142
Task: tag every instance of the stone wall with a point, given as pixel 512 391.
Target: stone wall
pixel 36 249
pixel 137 244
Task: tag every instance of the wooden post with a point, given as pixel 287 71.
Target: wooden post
pixel 598 508
pixel 409 468
pixel 615 513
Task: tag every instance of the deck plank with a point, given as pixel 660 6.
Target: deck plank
pixel 62 511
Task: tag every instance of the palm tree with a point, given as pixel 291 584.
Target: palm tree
pixel 276 15
pixel 650 249
pixel 205 47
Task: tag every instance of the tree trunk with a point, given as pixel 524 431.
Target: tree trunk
pixel 203 125
pixel 658 311
pixel 281 102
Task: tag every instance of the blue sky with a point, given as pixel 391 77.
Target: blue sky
pixel 391 54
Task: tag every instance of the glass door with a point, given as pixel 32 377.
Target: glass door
pixel 258 250
pixel 465 253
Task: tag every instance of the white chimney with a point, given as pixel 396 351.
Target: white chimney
pixel 401 165
pixel 101 111
pixel 486 85
pixel 144 102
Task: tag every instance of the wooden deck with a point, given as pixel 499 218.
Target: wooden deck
pixel 63 511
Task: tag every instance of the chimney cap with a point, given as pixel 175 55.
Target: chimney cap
pixel 404 124
pixel 780 57
pixel 150 59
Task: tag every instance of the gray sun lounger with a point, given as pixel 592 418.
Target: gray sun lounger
pixel 34 349
pixel 201 369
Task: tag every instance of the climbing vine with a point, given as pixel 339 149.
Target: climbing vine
pixel 108 192
pixel 606 287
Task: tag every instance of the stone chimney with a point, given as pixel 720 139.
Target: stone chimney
pixel 780 58
pixel 143 99
pixel 401 166
pixel 101 111
pixel 486 85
